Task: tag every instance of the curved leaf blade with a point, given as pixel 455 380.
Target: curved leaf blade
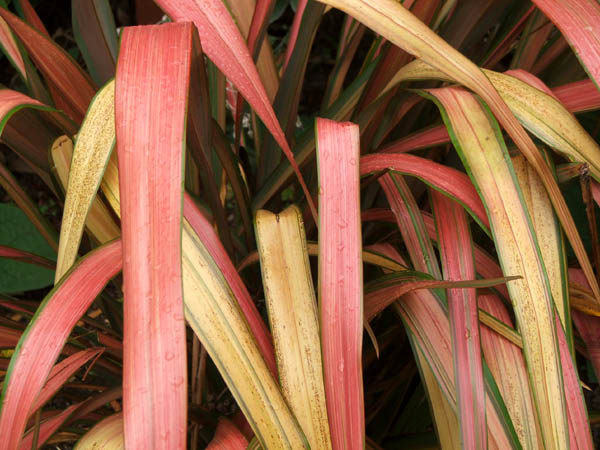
pixel 74 86
pixel 105 435
pixel 46 334
pixel 94 144
pixel 224 45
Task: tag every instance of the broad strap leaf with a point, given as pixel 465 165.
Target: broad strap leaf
pixel 293 315
pixel 93 147
pixel 507 364
pixel 340 280
pixel 456 254
pixel 151 94
pixel 99 220
pixel 577 20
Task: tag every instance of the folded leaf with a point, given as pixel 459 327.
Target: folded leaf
pixel 292 309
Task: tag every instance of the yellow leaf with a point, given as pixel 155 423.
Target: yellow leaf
pixel 292 308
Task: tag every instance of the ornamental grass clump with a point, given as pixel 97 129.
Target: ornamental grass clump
pixel 409 262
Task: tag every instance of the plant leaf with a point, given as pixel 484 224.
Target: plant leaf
pixel 205 232
pixel 380 296
pixel 94 144
pixel 11 49
pixel 74 86
pixel 445 179
pixel 213 313
pixel 549 234
pixel 105 435
pixel 223 44
pixel 340 280
pixel 576 20
pixel 95 32
pixel 61 373
pixel 507 365
pixel 390 19
pixel 47 428
pixel 456 253
pixel 46 334
pixel 21 255
pixel 20 197
pixel 292 309
pixel 151 90
pixel 426 322
pixel 227 437
pixel 479 143
pixel 99 221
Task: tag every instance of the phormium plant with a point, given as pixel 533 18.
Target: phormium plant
pixel 441 196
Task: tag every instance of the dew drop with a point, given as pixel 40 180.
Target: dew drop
pixel 177 382
pixel 341 366
pixel 169 356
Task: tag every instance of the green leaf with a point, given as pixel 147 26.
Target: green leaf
pixel 17 231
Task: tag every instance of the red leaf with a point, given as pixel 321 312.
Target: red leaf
pixel 443 178
pixel 456 253
pixel 23 256
pixel 151 95
pixel 46 334
pixel 47 428
pixel 577 20
pixel 227 437
pixel 61 373
pixel 223 44
pixel 209 238
pixel 58 67
pixel 340 280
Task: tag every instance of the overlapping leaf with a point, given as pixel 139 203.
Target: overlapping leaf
pixel 151 91
pixel 46 334
pixel 340 280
